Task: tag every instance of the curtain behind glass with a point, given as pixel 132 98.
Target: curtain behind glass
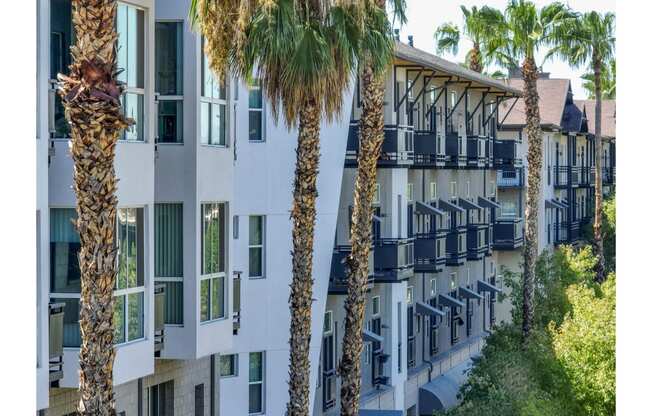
pixel 168 240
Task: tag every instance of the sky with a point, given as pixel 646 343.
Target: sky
pixel 424 16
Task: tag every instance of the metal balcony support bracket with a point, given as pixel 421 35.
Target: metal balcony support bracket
pixel 500 124
pixel 499 99
pixel 426 82
pixel 434 103
pixel 408 90
pixel 463 96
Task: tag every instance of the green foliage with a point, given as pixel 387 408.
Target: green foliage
pixel 609 232
pixel 568 365
pixel 585 346
pixel 608 82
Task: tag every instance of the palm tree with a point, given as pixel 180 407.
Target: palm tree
pixel 479 26
pixel 526 30
pixel 304 54
pixel 590 39
pixel 91 97
pixel 608 82
pixel 376 47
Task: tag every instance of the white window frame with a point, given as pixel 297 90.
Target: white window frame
pixel 263 362
pixel 261 246
pixel 328 318
pixel 376 199
pixel 492 188
pixel 409 296
pixel 212 277
pixel 433 191
pixel 213 101
pixel 410 191
pixel 375 306
pixel 453 277
pixel 236 367
pixel 453 190
pixel 433 287
pixel 261 110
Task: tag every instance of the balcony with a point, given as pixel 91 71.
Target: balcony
pixel 565 176
pixel 561 233
pixel 586 177
pixel 476 241
pixel 337 284
pixel 506 154
pixel 55 346
pixel 428 150
pixel 508 233
pixel 159 319
pixel 397 149
pixel 456 246
pixel 237 279
pixel 608 176
pixel 455 151
pixel 510 178
pixel 429 252
pixel 476 148
pixel 394 259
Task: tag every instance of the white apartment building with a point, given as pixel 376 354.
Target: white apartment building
pixel 205 191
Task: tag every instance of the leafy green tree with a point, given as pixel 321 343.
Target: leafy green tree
pixel 585 345
pixel 609 232
pixel 608 82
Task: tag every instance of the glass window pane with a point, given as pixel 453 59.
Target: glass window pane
pixel 255 261
pixel 168 240
pixel 204 122
pixel 119 319
pixel 71 331
pixel 132 249
pixel 135 310
pixel 207 75
pixel 169 58
pixel 174 303
pixel 255 125
pixel 133 107
pixel 213 239
pixel 228 365
pixel 255 398
pixel 61 36
pixel 170 121
pixel 255 96
pixel 204 300
pixel 218 124
pixel 217 298
pixel 255 230
pixel 121 218
pixel 64 249
pixel 255 366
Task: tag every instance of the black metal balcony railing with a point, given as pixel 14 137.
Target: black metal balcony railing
pixel 429 252
pixel 456 246
pixel 564 176
pixel 237 279
pixel 394 259
pixel 397 148
pixel 505 153
pixel 159 319
pixel 455 151
pixel 476 151
pixel 329 388
pixel 428 149
pixel 586 176
pixel 608 175
pixel 339 270
pixel 510 178
pixel 55 344
pixel 476 241
pixel 508 233
pixel 561 233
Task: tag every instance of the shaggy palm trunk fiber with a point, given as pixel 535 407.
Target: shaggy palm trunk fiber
pixel 91 99
pixel 597 223
pixel 303 227
pixel 371 136
pixel 475 60
pixel 533 132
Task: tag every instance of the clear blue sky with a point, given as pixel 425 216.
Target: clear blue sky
pixel 424 16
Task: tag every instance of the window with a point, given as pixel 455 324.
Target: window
pixel 131 58
pixel 161 399
pixel 410 192
pixel 375 305
pixel 468 189
pixel 433 191
pixel 256 246
pixel 453 281
pixel 213 254
pixel 128 315
pixel 256 115
pixel 433 288
pixel 199 400
pixel 376 199
pixel 64 249
pixel 169 81
pixel 468 277
pixel 508 208
pixel 256 382
pixel 492 188
pixel 228 365
pixel 328 322
pixel 410 295
pixel 212 106
pixel 61 37
pixel 439 250
pixel 453 190
pixel 168 258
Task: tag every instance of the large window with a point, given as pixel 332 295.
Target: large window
pixel 169 81
pixel 256 246
pixel 161 399
pixel 256 133
pixel 128 316
pixel 256 382
pixel 212 106
pixel 212 267
pixel 168 258
pixel 131 58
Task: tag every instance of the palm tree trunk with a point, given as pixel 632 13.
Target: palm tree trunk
pixel 371 136
pixel 91 98
pixel 597 223
pixel 475 61
pixel 533 132
pixel 303 217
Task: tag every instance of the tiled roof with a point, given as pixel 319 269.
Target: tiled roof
pixel 608 116
pixel 552 101
pixel 429 60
